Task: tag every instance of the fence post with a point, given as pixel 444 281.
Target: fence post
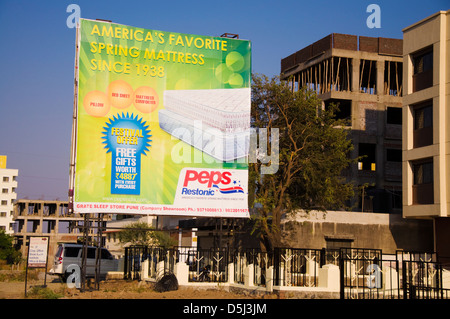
pixel 144 269
pixel 342 275
pixel 160 268
pixel 329 277
pixel 248 275
pixel 125 265
pixel 231 272
pixel 182 273
pixel 269 279
pixel 404 280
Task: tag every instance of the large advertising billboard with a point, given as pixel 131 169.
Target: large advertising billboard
pixel 162 122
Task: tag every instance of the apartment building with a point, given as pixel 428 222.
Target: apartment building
pixel 47 218
pixel 426 125
pixel 363 75
pixel 8 186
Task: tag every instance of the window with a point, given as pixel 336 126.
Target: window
pixel 5 178
pixel 71 251
pixel 344 111
pixel 423 117
pixel 393 78
pixel 423 173
pixel 106 254
pixel 367 154
pixel 4 202
pixel 337 243
pixel 91 253
pixel 423 62
pixel 423 182
pixel 4 191
pixel 423 69
pixel 393 155
pixel 423 124
pixel 394 115
pixel 368 76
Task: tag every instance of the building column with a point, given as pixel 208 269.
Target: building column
pixel 355 75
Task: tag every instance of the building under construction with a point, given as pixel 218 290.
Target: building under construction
pixel 363 76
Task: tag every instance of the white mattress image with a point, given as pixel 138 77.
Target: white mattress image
pixel 221 145
pixel 225 109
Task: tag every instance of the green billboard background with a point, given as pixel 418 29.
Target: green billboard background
pixel 126 60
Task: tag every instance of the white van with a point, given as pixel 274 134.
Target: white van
pixel 71 254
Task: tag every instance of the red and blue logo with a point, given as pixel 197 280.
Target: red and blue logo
pixel 220 181
pixel 230 190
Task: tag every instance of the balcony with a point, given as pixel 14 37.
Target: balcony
pixel 422 80
pixel 423 137
pixel 423 194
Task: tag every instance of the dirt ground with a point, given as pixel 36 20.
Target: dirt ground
pixel 110 289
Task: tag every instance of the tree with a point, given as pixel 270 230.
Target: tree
pixel 139 234
pixel 313 150
pixel 7 251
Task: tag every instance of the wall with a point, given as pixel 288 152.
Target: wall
pixel 389 232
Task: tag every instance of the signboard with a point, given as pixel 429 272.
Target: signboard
pixel 162 122
pixel 37 252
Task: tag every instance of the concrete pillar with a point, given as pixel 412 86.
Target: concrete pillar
pixel 248 275
pixel 390 278
pixel 329 277
pixel 312 268
pixel 231 273
pixel 144 269
pixel 182 273
pixel 445 279
pixel 269 279
pixel 380 77
pixel 355 74
pixel 160 268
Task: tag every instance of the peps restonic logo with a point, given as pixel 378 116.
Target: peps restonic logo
pixel 215 181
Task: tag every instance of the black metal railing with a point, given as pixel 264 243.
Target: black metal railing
pixel 364 273
pixel 296 267
pixel 423 280
pixel 205 265
pixel 134 256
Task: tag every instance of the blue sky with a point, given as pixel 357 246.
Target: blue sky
pixel 37 59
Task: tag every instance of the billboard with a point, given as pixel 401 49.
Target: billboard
pixel 161 122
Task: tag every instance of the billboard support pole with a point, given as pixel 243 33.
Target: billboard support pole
pixel 85 249
pixel 74 122
pixel 98 259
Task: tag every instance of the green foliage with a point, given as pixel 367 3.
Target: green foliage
pixel 139 234
pixel 39 292
pixel 313 151
pixel 163 239
pixel 7 251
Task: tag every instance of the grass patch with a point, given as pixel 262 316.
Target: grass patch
pixel 39 292
pixel 17 275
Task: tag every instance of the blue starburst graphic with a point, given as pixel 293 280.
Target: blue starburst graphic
pixel 126 137
pixel 134 126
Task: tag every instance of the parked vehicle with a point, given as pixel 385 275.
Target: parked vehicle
pixel 69 254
